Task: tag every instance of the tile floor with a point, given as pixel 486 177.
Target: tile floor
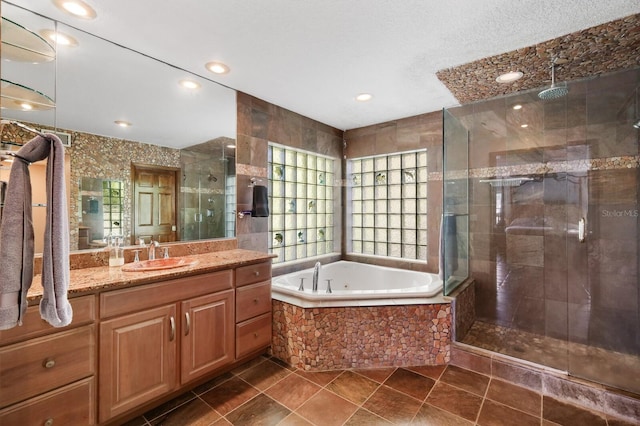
pixel 267 392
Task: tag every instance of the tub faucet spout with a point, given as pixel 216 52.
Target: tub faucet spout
pixel 316 273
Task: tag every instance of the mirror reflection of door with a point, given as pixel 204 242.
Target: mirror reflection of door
pixel 154 204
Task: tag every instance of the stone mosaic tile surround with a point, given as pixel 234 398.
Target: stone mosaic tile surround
pixel 605 48
pixel 361 337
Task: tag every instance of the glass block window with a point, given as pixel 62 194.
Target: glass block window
pixel 301 203
pixel 112 206
pixel 388 205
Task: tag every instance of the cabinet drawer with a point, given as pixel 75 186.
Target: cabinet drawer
pixel 39 365
pixel 84 312
pixel 70 405
pixel 134 299
pixel 252 300
pixel 253 273
pixel 253 334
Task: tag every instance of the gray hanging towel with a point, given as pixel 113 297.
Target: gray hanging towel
pixel 260 201
pixel 17 243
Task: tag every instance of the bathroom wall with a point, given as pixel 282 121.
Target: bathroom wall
pixel 259 123
pixel 418 132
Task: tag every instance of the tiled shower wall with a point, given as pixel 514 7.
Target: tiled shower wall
pixel 582 153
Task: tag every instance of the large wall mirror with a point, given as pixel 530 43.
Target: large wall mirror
pixel 169 176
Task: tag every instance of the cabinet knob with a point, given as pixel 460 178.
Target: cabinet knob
pixel 48 422
pixel 49 363
pixel 255 300
pixel 256 273
pixel 255 335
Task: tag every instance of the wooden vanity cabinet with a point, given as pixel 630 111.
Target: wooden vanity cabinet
pixel 46 373
pixel 157 337
pixel 253 308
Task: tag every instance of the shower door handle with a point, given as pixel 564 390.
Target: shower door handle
pixel 581 229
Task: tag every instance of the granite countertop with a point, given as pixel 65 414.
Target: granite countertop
pixel 90 280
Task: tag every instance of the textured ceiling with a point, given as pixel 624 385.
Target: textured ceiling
pixel 314 57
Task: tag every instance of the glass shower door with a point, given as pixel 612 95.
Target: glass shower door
pixel 603 290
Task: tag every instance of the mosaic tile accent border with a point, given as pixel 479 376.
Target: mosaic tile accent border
pixel 605 48
pixel 361 337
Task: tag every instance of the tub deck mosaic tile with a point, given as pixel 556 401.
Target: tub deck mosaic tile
pixel 361 337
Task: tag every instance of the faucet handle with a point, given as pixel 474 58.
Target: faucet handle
pixel 329 286
pixel 301 288
pixel 166 252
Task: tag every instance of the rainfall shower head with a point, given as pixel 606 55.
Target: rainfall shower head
pixel 554 91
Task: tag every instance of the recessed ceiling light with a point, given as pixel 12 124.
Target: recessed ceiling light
pixel 364 97
pixel 517 106
pixel 524 126
pixel 77 8
pixel 509 77
pixel 217 67
pixel 59 38
pixel 189 84
pixel 122 123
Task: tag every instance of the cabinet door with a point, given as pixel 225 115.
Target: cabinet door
pixel 137 359
pixel 207 341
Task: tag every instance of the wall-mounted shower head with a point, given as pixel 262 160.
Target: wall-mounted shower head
pixel 554 91
pixel 637 124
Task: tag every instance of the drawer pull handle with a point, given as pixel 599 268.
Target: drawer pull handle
pixel 172 334
pixel 187 319
pixel 49 422
pixel 49 363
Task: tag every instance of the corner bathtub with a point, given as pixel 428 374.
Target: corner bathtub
pixel 375 317
pixel 357 284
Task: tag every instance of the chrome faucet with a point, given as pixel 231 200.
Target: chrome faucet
pixel 152 249
pixel 316 273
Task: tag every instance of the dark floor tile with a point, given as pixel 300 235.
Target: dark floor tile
pixel 193 413
pixel 249 364
pixel 321 378
pixel 264 375
pixel 293 391
pixel 515 396
pixel 620 422
pixel 432 416
pixel 229 395
pixel 138 421
pixel 363 417
pixel 169 405
pixel 260 410
pixel 294 420
pixel 413 384
pixel 326 408
pixel 454 400
pixel 569 415
pixel 392 405
pixel 465 379
pixel 212 383
pixel 494 414
pixel 377 374
pixel 432 371
pixel 353 387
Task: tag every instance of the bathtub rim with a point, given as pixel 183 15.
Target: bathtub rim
pixel 308 299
